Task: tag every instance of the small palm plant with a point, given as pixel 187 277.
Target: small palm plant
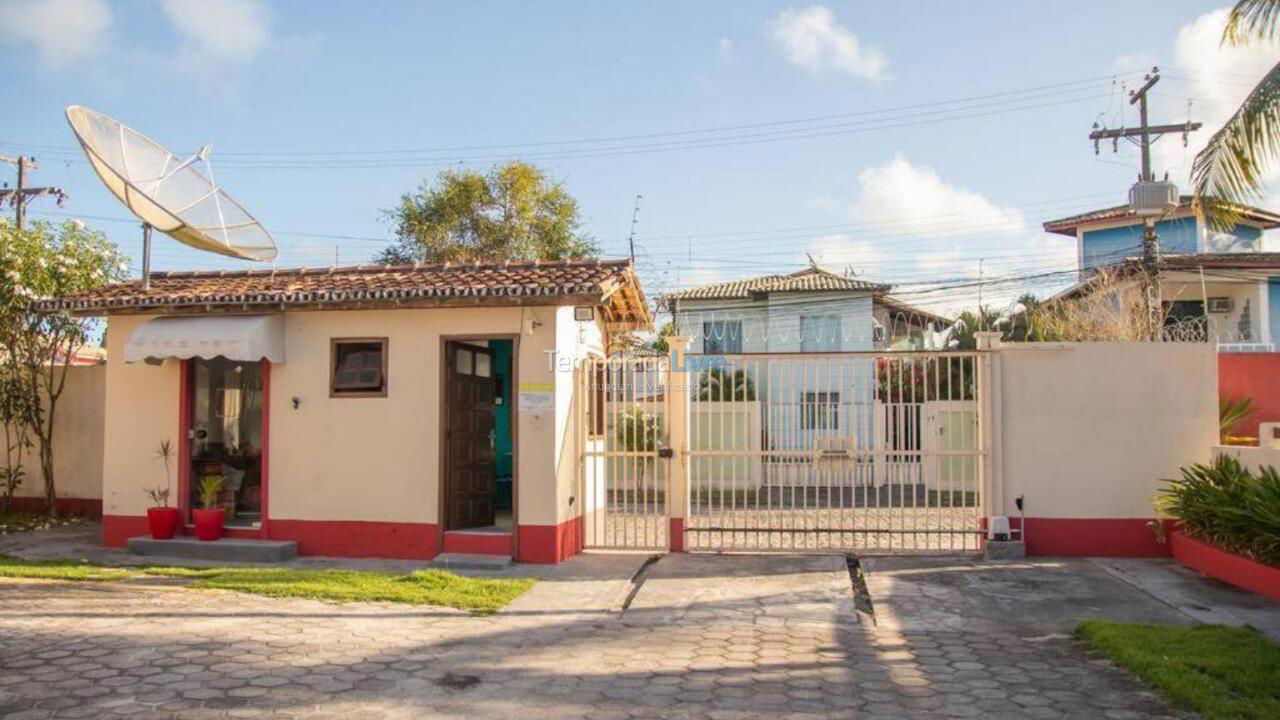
pixel 160 496
pixel 210 486
pixel 1232 412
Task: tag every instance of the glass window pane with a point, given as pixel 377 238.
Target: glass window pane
pixel 482 364
pixel 226 437
pixel 465 361
pixel 358 367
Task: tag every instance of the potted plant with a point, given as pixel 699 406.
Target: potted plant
pixel 209 518
pixel 163 520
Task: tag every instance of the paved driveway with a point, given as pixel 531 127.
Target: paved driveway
pixel 705 637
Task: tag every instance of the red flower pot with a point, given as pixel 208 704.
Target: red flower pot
pixel 163 522
pixel 209 523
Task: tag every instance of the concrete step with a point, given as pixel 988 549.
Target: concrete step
pixel 226 549
pixel 471 561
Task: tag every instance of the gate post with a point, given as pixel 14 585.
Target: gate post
pixel 677 391
pixel 989 419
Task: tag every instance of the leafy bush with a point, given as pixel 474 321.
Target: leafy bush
pixel 719 385
pixel 1228 505
pixel 638 431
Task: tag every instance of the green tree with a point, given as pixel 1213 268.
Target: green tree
pixel 659 343
pixel 513 212
pixel 1231 168
pixel 964 331
pixel 36 348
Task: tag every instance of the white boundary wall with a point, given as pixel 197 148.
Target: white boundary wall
pixel 77 439
pixel 1089 430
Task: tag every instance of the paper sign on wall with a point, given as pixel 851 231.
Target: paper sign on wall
pixel 537 397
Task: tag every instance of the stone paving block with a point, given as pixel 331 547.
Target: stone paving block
pixel 721 644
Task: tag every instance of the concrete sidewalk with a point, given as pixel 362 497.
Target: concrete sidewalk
pixel 1027 598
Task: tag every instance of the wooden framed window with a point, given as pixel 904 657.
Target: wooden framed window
pixel 358 367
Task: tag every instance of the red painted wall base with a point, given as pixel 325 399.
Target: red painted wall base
pixel 1226 566
pixel 356 538
pixel 550 544
pixel 1099 537
pixel 676 532
pixel 117 529
pixel 337 538
pixel 85 507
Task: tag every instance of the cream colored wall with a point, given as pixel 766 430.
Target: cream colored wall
pixel 378 459
pixel 574 340
pixel 372 459
pixel 77 439
pixel 1090 429
pixel 141 411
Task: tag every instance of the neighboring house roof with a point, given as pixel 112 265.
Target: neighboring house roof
pixel 809 280
pixel 1068 225
pixel 896 305
pixel 1195 261
pixel 1184 262
pixel 611 283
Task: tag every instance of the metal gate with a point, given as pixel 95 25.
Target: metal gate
pixel 621 430
pixel 796 452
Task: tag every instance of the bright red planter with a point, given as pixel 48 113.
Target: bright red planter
pixel 1226 566
pixel 163 522
pixel 209 523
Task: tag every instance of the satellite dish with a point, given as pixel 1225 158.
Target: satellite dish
pixel 167 192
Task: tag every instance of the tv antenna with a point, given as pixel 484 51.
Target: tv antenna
pixel 168 193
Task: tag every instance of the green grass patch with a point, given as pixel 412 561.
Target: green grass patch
pixel 59 569
pixel 421 587
pixel 1220 672
pixel 481 596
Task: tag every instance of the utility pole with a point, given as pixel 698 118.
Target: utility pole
pixel 22 194
pixel 631 239
pixel 1144 135
pixel 981 315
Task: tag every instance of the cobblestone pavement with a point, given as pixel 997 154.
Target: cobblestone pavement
pixel 706 637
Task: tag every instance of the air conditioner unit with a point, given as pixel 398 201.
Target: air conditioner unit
pixel 1153 198
pixel 1221 304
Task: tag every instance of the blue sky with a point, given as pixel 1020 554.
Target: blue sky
pixel 325 100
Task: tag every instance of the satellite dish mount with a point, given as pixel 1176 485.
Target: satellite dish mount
pixel 167 193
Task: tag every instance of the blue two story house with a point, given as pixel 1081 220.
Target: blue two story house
pixel 1227 283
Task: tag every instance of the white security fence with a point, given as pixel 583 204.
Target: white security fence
pixel 856 451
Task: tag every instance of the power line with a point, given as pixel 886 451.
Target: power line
pixel 1034 91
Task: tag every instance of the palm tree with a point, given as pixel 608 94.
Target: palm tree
pixel 1230 170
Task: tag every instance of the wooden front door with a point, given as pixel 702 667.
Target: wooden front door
pixel 469 439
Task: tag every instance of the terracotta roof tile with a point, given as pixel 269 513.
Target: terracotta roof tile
pixel 1068 225
pixel 807 280
pixel 362 284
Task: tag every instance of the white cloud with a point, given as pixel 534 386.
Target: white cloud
pixel 725 47
pixel 813 39
pixel 908 199
pixel 227 32
pixel 1216 77
pixel 62 32
pixel 834 252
